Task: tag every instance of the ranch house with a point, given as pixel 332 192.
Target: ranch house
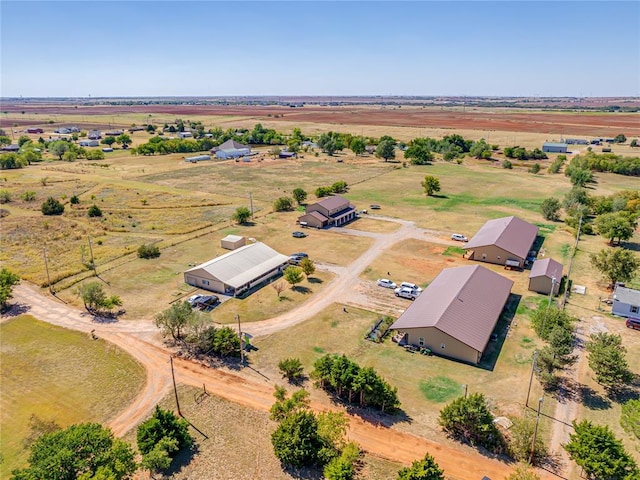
pixel 331 211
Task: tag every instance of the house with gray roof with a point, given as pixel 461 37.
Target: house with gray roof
pixel 456 314
pixel 231 149
pixel 545 275
pixel 626 302
pixel 554 147
pixel 503 241
pixel 330 211
pixel 237 271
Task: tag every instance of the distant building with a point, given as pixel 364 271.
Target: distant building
pixel 231 149
pixel 185 134
pixel 554 147
pixel 94 135
pixel 10 148
pixel 330 211
pixel 575 141
pixel 89 143
pixel 626 302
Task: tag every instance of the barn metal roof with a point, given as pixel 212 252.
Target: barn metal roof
pixel 508 233
pixel 463 302
pixel 243 265
pixel 547 267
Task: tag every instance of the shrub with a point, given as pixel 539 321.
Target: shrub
pixel 51 206
pixel 282 204
pixel 28 196
pixel 148 251
pixel 94 211
pixel 74 200
pixel 507 164
pixel 5 196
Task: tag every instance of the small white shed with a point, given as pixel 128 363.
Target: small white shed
pixel 231 242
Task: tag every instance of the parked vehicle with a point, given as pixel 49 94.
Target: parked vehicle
pixel 374 207
pixel 386 283
pixel 405 292
pixel 299 234
pixel 633 323
pixel 411 286
pixel 459 237
pixel 194 298
pixel 299 255
pixel 207 302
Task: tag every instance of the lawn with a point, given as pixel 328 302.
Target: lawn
pixel 61 375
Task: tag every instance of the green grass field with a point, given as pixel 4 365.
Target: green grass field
pixel 57 374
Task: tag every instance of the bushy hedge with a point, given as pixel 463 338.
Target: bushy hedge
pixel 148 251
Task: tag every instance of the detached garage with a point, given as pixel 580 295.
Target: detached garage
pixel 545 275
pixel 238 271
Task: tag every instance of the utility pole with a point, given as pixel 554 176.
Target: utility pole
pixel 251 203
pixel 237 317
pixel 46 266
pixel 535 432
pixel 93 263
pixel 175 389
pixel 575 248
pixel 533 366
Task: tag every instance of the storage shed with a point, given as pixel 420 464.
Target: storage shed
pixel 545 274
pixel 554 147
pixel 231 242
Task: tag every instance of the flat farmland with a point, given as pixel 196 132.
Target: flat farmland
pixel 474 118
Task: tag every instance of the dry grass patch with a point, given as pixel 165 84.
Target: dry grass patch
pixel 60 375
pixel 264 303
pixel 369 224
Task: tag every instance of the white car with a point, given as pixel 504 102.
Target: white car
pixel 386 283
pixel 405 292
pixel 411 286
pixel 459 237
pixel 193 298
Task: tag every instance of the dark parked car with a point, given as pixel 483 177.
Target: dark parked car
pixel 374 207
pixel 299 234
pixel 207 302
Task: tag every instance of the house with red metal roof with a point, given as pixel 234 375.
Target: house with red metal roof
pixel 503 241
pixel 457 313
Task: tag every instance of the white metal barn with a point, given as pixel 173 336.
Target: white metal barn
pixel 237 271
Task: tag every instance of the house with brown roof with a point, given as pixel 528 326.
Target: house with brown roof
pixel 503 241
pixel 545 275
pixel 456 314
pixel 330 211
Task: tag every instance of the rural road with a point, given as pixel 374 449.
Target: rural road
pixel 139 339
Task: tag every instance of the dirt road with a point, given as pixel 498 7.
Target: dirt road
pixel 139 339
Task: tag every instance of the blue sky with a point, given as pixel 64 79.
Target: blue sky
pixel 157 48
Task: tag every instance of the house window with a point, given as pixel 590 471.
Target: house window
pixel 634 308
pixel 484 256
pixel 442 346
pixel 205 282
pixel 421 341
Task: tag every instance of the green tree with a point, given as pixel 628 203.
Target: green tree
pixel 163 431
pixel 357 145
pixel 616 264
pixel 95 299
pixel 74 200
pixel 545 319
pixel 523 472
pixel 535 168
pixel 607 360
pixel 418 154
pixel 241 215
pixel 601 455
pixel 286 405
pixel 4 140
pixel 282 204
pixel 292 275
pixel 386 149
pixel 307 266
pixel 8 280
pixel 159 457
pixel 123 139
pixel 520 440
pixel 110 140
pixel 469 419
pixel 22 140
pixel 94 211
pixel 431 185
pixel 507 164
pixel 481 149
pixel 299 195
pixel 291 368
pixel 174 319
pixel 620 138
pixel 579 176
pixel 59 148
pixel 616 225
pixel 630 417
pixel 634 143
pixel 425 469
pixel 550 209
pixel 51 206
pixel 296 441
pixel 84 451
